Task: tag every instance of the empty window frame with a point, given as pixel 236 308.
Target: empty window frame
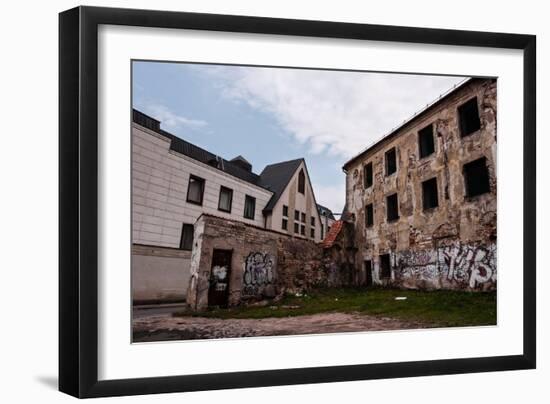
pixel 303 218
pixel 302 182
pixel 313 221
pixel 303 230
pixel 296 228
pixel 285 211
pixel 391 161
pixel 476 177
pixel 385 266
pixel 367 173
pixel 426 145
pixel 249 207
pixel 392 208
pixel 369 215
pixel 312 231
pixel 195 190
pixel 284 224
pixel 297 215
pixel 429 194
pixel 468 115
pixel 186 240
pixel 226 199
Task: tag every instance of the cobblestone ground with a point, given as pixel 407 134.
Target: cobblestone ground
pixel 164 327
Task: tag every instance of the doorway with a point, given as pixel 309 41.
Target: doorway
pixel 218 290
pixel 368 273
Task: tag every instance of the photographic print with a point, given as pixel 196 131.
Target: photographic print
pixel 272 201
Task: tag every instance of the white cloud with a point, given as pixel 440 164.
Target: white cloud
pixel 331 196
pixel 170 119
pixel 339 113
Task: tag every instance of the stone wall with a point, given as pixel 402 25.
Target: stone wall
pixel 264 263
pixel 452 245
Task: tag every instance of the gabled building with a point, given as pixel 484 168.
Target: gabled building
pixel 175 182
pixel 327 220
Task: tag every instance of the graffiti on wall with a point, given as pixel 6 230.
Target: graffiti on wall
pixel 259 273
pixel 459 264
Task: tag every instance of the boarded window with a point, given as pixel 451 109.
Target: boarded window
pixel 385 266
pixel 367 173
pixel 284 224
pixel 195 190
pixel 429 194
pixel 391 163
pixel 226 199
pixel 468 114
pixel 369 215
pixel 302 182
pixel 296 228
pixel 186 241
pixel 476 177
pixel 392 208
pixel 303 230
pixel 426 141
pixel 285 211
pixel 312 233
pixel 313 221
pixel 303 218
pixel 249 207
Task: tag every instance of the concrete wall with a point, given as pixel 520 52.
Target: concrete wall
pixel 302 202
pixel 159 274
pixel 453 245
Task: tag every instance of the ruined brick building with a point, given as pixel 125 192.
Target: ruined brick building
pixel 422 201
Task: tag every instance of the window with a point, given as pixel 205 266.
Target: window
pixel 226 199
pixel 391 207
pixel 186 241
pixel 249 207
pixel 469 117
pixel 303 219
pixel 285 211
pixel 367 173
pixel 284 224
pixel 322 231
pixel 429 194
pixel 369 215
pixel 296 228
pixel 313 221
pixel 303 230
pixel 312 233
pixel 385 266
pixel 426 141
pixel 476 177
pixel 195 190
pixel 302 182
pixel 297 215
pixel 391 164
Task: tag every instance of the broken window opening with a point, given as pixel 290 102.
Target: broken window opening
pixel 369 215
pixel 391 161
pixel 426 141
pixel 385 266
pixel 367 173
pixel 392 208
pixel 476 177
pixel 429 194
pixel 469 117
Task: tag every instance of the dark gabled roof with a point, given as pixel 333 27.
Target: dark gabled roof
pixel 275 177
pixel 181 146
pixel 324 211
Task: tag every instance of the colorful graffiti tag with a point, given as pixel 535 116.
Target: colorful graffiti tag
pixel 458 264
pixel 259 274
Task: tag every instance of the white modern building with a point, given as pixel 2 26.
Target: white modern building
pixel 174 182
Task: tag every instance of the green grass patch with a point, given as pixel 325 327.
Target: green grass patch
pixel 437 308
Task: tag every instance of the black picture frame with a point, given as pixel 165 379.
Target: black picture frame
pixel 78 200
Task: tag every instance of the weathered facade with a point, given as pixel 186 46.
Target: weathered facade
pixel 235 263
pixel 423 199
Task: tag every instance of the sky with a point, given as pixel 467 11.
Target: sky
pixel 269 115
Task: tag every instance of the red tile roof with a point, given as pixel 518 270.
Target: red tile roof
pixel 332 234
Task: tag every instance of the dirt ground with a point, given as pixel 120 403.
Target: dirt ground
pixel 165 327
